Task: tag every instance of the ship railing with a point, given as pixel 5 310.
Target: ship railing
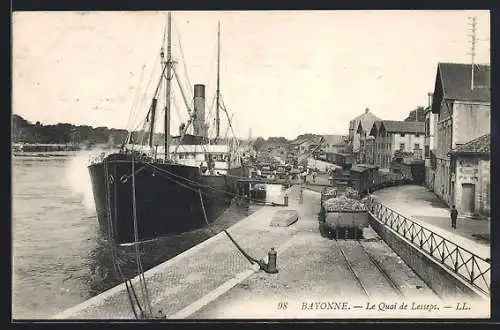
pixel 465 264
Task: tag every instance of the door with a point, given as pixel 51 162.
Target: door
pixel 468 197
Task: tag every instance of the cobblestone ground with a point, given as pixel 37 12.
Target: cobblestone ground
pixel 313 269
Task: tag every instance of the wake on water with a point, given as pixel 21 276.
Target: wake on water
pixel 78 177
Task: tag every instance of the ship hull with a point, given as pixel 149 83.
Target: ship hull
pixel 166 200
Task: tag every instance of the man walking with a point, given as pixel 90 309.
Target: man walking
pixel 454 215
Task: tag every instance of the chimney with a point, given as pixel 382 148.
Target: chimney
pixel 430 98
pixel 199 110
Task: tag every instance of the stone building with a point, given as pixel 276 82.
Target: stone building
pixel 396 136
pixel 359 127
pixel 470 166
pixel 463 114
pixel 430 147
pixel 416 115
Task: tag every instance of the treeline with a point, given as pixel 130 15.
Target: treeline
pixel 62 133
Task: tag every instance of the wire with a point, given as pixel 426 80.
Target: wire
pixel 195 185
pixel 116 266
pixel 142 279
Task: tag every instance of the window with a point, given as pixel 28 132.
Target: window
pixel 417 146
pixel 417 135
pixel 402 146
pixel 427 151
pixel 402 134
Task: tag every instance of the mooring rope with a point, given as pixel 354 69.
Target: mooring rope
pixel 116 266
pixel 248 257
pixel 196 185
pixel 142 279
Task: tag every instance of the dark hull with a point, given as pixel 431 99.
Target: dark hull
pixel 165 202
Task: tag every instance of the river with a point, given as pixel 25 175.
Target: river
pixel 58 257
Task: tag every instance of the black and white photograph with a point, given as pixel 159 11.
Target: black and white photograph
pixel 210 164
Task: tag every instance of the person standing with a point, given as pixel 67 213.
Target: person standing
pixel 454 215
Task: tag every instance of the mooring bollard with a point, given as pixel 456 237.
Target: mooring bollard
pixel 301 197
pixel 272 256
pixel 286 200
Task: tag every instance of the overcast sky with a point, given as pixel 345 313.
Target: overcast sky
pixel 282 73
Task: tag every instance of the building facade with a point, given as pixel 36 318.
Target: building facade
pixel 358 130
pixel 396 136
pixel 470 163
pixel 333 143
pixel 430 147
pixel 463 114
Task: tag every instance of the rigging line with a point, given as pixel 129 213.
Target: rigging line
pixel 177 110
pixel 140 104
pixel 113 251
pixel 190 121
pixel 182 91
pixel 212 61
pixel 136 239
pixel 134 100
pixel 213 195
pixel 182 57
pixel 156 60
pixel 227 116
pixel 161 170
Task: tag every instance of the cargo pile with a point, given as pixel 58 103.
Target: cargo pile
pixel 330 192
pixel 343 204
pixel 351 193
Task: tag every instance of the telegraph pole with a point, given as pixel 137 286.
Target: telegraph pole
pixel 473 40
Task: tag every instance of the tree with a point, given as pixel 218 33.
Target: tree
pixel 259 143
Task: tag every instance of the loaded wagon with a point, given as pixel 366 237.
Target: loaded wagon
pixel 343 216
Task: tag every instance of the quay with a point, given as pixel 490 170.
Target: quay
pixel 317 277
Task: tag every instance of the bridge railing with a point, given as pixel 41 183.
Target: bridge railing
pixel 465 264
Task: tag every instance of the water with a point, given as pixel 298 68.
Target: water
pixel 59 259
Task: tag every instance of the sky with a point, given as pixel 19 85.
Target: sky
pixel 281 73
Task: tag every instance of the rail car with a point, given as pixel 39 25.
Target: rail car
pixel 365 178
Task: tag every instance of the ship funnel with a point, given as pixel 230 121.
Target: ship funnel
pixel 199 126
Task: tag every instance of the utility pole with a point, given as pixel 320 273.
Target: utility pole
pixel 217 106
pixel 473 40
pixel 167 89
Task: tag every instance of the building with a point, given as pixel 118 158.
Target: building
pixel 430 146
pixel 356 134
pixel 334 143
pixel 470 164
pixel 416 115
pixel 463 114
pixel 306 147
pixel 396 136
pixel 369 151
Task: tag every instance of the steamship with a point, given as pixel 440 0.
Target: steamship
pixel 146 191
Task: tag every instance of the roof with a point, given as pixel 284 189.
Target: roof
pixel 480 145
pixel 453 82
pixel 366 120
pixel 394 126
pixel 375 127
pixel 334 139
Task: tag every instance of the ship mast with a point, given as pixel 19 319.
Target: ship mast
pixel 217 116
pixel 167 92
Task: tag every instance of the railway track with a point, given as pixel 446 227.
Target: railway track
pixel 363 284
